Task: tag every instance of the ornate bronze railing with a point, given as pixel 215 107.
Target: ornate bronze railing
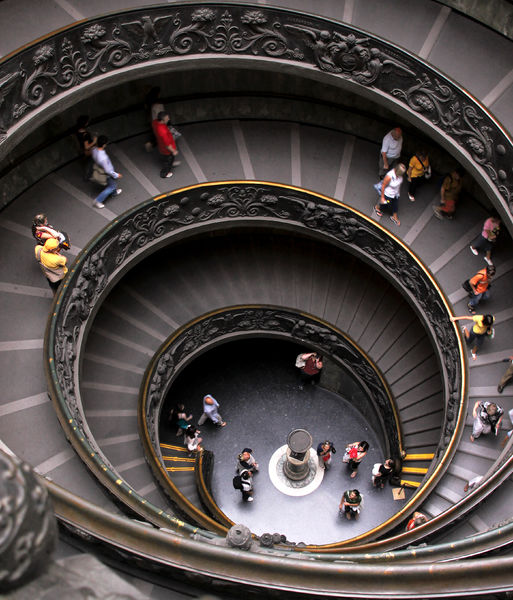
pixel 76 58
pixel 196 560
pixel 237 322
pixel 154 223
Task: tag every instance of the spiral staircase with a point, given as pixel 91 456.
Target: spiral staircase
pixel 244 135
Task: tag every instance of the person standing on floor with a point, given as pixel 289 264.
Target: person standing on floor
pixel 310 364
pixel 354 454
pixel 390 192
pixel 246 461
pixel 382 472
pixel 480 285
pixel 179 418
pixel 52 263
pixel 247 486
pixel 418 171
pixel 324 452
pixel 487 419
pixel 191 439
pixel 101 158
pixel 350 504
pixel 210 411
pixel 166 144
pixel 487 239
pixel 390 150
pixel 508 375
pixel 449 194
pixel 481 328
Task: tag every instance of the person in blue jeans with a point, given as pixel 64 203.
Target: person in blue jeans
pixel 480 284
pixel 101 158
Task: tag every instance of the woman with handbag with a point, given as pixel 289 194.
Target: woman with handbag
pixel 419 169
pixel 354 455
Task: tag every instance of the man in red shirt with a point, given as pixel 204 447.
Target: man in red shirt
pixel 311 369
pixel 166 143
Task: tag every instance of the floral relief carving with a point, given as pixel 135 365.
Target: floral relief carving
pixel 36 74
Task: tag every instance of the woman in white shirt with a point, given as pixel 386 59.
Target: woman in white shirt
pixel 390 192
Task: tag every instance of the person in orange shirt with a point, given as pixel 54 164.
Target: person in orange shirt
pixel 480 285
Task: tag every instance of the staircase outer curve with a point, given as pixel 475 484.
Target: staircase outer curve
pixel 498 574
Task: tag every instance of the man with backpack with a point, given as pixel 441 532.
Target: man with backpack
pixel 480 287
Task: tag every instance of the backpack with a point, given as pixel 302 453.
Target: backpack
pixel 237 482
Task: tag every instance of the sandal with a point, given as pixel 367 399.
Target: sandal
pixel 378 212
pixel 395 220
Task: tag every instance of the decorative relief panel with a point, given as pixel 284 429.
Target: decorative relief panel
pixel 75 55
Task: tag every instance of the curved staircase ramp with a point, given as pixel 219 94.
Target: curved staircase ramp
pixel 23 289
pixel 125 460
pixel 151 222
pixel 192 279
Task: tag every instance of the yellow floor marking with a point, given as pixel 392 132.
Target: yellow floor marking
pixel 419 457
pixel 179 468
pixel 180 459
pixel 418 470
pixel 414 484
pixel 169 447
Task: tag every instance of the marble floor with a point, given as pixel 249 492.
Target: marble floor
pixel 260 397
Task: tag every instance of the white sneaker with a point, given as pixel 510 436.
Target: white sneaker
pixel 488 261
pixel 170 174
pixel 474 251
pixel 411 198
pixel 117 192
pixel 98 204
pixel 250 499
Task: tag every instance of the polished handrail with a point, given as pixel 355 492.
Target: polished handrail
pixel 158 551
pixel 205 492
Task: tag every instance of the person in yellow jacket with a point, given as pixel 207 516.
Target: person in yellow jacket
pixel 52 263
pixel 419 170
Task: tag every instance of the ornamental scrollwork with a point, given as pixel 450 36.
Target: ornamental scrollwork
pixel 348 55
pixel 27 524
pixel 38 73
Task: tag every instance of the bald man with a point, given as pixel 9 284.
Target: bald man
pixel 210 411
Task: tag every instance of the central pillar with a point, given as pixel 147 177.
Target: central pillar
pixel 296 466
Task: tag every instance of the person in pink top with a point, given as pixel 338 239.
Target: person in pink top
pixel 166 144
pixel 486 240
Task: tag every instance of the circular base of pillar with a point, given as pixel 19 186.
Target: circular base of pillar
pixel 294 488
